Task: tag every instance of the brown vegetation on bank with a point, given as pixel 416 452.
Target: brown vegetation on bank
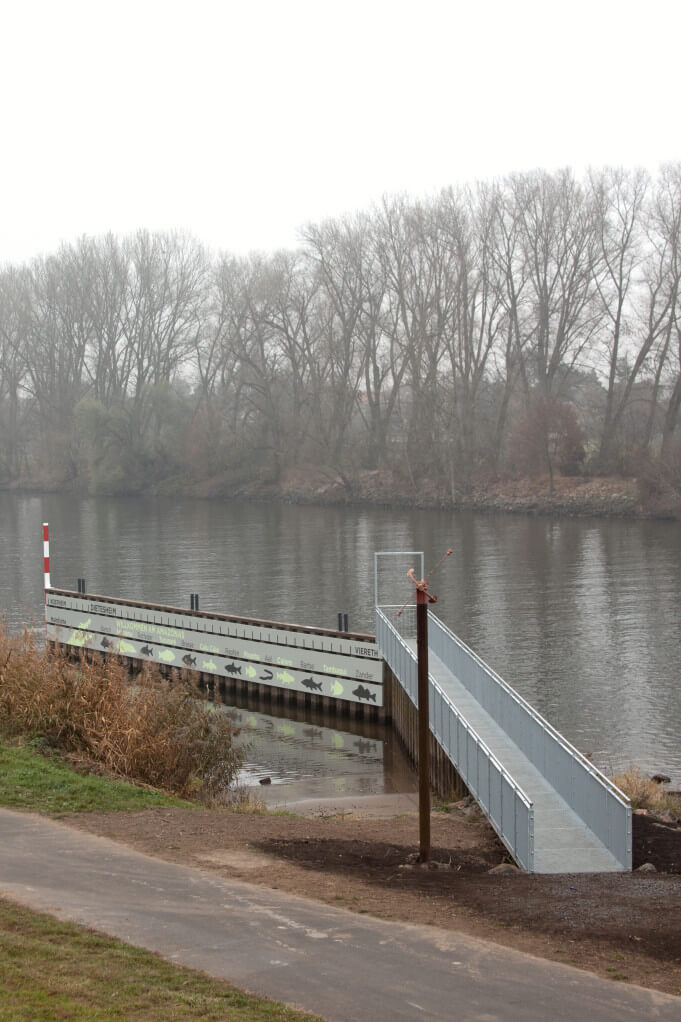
pixel 571 496
pixel 153 732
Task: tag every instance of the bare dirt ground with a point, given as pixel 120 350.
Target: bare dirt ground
pixel 620 926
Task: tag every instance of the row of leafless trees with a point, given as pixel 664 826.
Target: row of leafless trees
pixel 527 324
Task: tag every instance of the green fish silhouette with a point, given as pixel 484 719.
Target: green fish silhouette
pixel 78 638
pixel 250 672
pixel 285 678
pixel 167 655
pixel 337 689
pixel 126 647
pixel 208 665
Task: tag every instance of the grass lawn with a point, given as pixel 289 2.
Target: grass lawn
pixel 30 780
pixel 53 970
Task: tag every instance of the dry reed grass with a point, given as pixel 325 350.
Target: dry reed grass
pixel 643 792
pixel 152 732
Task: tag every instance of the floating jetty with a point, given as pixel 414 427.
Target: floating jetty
pixel 313 666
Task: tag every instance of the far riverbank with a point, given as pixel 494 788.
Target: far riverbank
pixel 569 496
pixel 602 496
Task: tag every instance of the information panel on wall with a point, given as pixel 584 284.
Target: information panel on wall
pixel 258 652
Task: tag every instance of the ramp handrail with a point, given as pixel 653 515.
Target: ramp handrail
pixel 503 801
pixel 590 794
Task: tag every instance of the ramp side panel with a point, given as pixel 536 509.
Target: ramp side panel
pixel 597 802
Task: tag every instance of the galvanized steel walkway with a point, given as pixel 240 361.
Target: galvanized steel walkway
pixel 552 808
pixel 562 841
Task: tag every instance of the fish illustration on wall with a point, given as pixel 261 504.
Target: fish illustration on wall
pixel 105 644
pixel 189 660
pixel 337 689
pixel 363 746
pixel 80 636
pixel 266 676
pixel 363 693
pixel 285 678
pixel 167 655
pixel 250 672
pixel 233 669
pixel 147 651
pixel 208 665
pixel 127 647
pixel 314 686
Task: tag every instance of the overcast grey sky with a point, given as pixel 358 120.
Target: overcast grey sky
pixel 239 122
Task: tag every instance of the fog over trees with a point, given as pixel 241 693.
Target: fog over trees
pixel 531 325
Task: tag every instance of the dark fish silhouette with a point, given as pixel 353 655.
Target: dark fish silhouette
pixel 266 676
pixel 106 644
pixel 312 732
pixel 147 650
pixel 363 746
pixel 233 669
pixel 190 661
pixel 363 693
pixel 314 686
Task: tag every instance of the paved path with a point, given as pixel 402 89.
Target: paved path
pixel 346 968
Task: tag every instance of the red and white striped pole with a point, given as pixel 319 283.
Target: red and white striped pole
pixel 46 555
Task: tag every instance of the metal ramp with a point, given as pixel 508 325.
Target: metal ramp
pixel 562 841
pixel 554 811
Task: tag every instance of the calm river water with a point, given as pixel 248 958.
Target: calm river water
pixel 581 616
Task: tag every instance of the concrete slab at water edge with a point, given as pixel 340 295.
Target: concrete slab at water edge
pixel 340 965
pixel 368 807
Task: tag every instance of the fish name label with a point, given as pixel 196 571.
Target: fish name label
pixel 172 618
pixel 163 639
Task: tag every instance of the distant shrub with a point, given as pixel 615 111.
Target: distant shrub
pixel 547 437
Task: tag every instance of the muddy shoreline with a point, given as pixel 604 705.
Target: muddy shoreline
pixel 573 497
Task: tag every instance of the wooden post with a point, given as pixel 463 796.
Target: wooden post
pixel 424 724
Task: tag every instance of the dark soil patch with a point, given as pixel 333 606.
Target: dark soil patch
pixel 381 860
pixel 657 842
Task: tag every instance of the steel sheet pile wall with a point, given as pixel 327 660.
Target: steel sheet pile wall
pixel 595 799
pixel 305 660
pixel 507 807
